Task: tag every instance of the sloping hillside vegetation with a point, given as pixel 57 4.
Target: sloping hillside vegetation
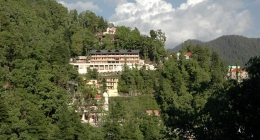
pixel 37 83
pixel 41 94
pixel 231 48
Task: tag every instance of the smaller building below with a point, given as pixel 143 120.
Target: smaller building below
pixel 234 71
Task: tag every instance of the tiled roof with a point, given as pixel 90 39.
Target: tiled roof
pixel 189 53
pixel 239 70
pixel 97 96
pixel 113 51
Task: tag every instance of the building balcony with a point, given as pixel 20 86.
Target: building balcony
pixel 137 55
pixel 114 59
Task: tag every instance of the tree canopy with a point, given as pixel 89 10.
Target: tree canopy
pixel 40 90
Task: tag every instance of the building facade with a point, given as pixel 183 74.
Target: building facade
pixel 237 73
pixel 93 112
pixel 109 61
pixel 187 55
pixel 111 83
pixel 110 31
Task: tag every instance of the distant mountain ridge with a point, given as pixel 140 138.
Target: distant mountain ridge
pixel 231 48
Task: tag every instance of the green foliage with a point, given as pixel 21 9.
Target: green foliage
pixel 35 71
pixel 185 86
pixel 135 38
pixel 134 104
pixel 151 128
pixel 37 39
pixel 122 36
pixel 102 24
pixel 94 133
pixel 214 108
pixel 130 120
pixel 104 85
pixel 68 124
pixel 108 43
pixel 131 132
pixel 253 66
pixel 3 113
pixel 231 111
pixel 92 74
pixel 218 116
pixel 152 34
pixel 112 131
pixel 135 82
pixel 231 48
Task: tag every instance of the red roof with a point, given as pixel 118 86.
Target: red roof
pixel 189 53
pixel 97 96
pixel 239 70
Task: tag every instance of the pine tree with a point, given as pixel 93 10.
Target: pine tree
pixel 3 113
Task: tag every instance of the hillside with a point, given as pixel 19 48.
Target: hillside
pixel 189 41
pixel 231 48
pixel 40 90
pixel 42 96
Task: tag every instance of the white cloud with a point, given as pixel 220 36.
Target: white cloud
pixel 195 19
pixel 81 6
pixel 115 1
pixel 231 4
pixel 191 3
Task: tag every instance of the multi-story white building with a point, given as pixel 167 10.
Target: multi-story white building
pixel 109 61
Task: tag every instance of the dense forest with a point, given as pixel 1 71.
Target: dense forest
pixel 231 48
pixel 40 90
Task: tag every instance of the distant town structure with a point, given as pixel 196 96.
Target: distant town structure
pixel 105 62
pixel 93 110
pixel 187 55
pixel 234 71
pixel 110 31
pixel 111 83
pixel 105 95
pixel 155 112
pixel 109 61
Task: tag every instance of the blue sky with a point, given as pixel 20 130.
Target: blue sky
pixel 179 19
